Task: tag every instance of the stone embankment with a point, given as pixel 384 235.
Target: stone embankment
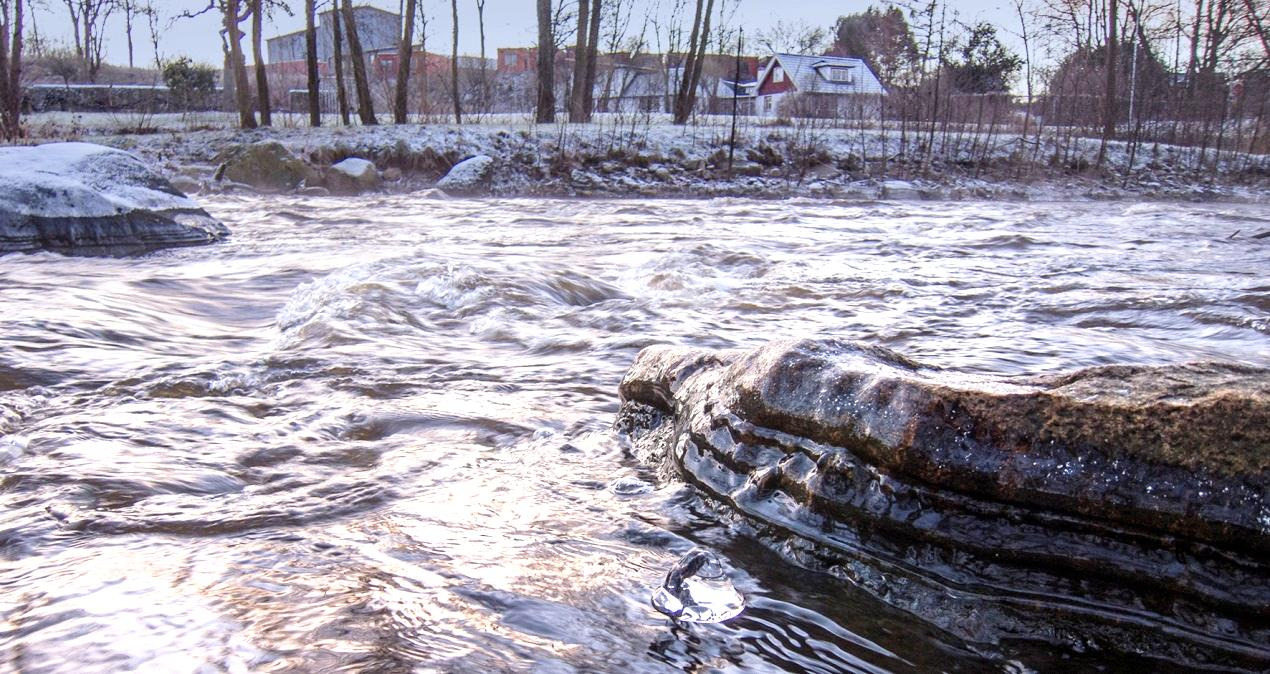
pixel 668 161
pixel 1122 508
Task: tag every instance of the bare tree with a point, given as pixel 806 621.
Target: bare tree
pixel 399 111
pixel 796 37
pixel 242 89
pixel 690 77
pixel 592 57
pixel 152 22
pixel 311 64
pixel 88 19
pixel 618 23
pixel 454 63
pixel 257 51
pixel 73 11
pixel 130 11
pixel 580 54
pixel 11 15
pixel 480 22
pixel 1027 65
pixel 1113 65
pixel 365 106
pixel 62 62
pixel 546 64
pixel 341 92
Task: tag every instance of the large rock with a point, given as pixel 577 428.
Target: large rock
pixel 85 199
pixel 470 176
pixel 900 189
pixel 266 165
pixel 1124 508
pixel 352 176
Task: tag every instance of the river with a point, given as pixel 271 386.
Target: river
pixel 373 434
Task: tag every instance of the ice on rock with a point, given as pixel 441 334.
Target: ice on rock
pixel 697 590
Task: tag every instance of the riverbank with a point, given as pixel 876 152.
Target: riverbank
pixel 642 157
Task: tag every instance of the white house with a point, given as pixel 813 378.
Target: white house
pixel 795 85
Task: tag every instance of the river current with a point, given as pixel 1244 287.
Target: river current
pixel 373 434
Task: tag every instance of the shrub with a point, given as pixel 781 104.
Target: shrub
pixel 188 81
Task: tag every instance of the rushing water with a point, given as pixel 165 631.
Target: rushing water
pixel 373 434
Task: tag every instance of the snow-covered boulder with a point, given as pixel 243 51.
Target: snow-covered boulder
pixel 469 176
pixel 352 176
pixel 86 199
pixel 267 165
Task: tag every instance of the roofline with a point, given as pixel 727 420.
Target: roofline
pixel 279 37
pixel 794 85
pixel 366 6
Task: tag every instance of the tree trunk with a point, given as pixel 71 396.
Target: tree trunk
pixel 691 77
pixel 577 97
pixel 79 41
pixel 129 11
pixel 4 71
pixel 399 111
pixel 91 61
pixel 1113 64
pixel 242 90
pixel 454 64
pixel 681 93
pixel 311 64
pixel 593 55
pixel 365 106
pixel 546 65
pixel 257 52
pixel 1192 66
pixel 341 93
pixel 480 21
pixel 11 71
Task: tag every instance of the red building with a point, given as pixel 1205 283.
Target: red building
pixel 512 60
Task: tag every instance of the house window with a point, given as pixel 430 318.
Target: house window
pixel 509 59
pixel 778 74
pixel 842 75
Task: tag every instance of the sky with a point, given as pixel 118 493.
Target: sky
pixel 508 23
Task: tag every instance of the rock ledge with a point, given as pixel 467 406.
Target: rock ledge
pixel 1123 508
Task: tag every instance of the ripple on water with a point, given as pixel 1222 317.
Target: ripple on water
pixel 371 433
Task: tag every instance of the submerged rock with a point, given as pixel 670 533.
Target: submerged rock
pixel 1122 508
pixel 352 176
pixel 265 165
pixel 85 199
pixel 469 176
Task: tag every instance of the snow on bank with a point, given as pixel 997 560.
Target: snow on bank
pixel 623 156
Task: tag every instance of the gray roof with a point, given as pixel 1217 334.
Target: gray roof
pixel 810 74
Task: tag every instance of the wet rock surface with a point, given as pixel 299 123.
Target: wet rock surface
pixel 1114 508
pixel 352 176
pixel 265 165
pixel 85 199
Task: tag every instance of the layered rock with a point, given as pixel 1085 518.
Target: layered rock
pixel 1123 508
pixel 85 199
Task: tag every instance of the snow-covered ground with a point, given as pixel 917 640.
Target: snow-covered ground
pixel 646 155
